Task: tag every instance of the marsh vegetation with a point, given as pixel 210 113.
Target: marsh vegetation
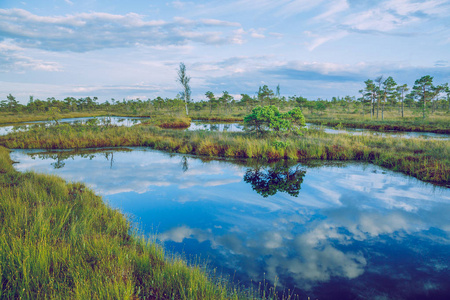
pixel 426 159
pixel 87 249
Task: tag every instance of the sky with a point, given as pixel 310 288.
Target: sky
pixel 132 49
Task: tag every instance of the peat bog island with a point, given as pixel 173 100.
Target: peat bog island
pixel 237 150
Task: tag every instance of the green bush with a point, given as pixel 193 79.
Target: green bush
pixel 264 119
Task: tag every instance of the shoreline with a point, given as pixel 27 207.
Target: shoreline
pixel 427 160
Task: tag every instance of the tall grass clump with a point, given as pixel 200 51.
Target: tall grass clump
pixel 175 122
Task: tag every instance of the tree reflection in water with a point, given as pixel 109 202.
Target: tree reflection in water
pixel 184 164
pixel 267 181
pixel 59 156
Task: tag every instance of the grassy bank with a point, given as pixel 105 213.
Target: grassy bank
pixel 169 122
pixel 6 118
pixel 435 123
pixel 428 160
pixel 217 118
pixel 59 240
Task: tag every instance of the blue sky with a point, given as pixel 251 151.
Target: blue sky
pixel 129 49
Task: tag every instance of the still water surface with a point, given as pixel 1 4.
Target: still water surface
pixel 119 121
pixel 237 127
pixel 326 231
pixel 213 126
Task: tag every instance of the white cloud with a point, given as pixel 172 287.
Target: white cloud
pixel 276 34
pixel 389 17
pixel 90 31
pixel 13 59
pixel 408 7
pixel 215 22
pixel 377 20
pixel 257 33
pixel 281 8
pixel 238 36
pixel 179 4
pixel 294 7
pixel 318 40
pixel 323 67
pixel 334 8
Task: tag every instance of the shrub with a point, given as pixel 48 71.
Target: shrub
pixel 264 119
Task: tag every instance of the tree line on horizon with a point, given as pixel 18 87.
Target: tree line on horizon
pixel 376 97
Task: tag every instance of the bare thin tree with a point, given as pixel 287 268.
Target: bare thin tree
pixel 184 80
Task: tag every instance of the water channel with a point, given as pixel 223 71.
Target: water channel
pixel 238 127
pixel 119 121
pixel 325 231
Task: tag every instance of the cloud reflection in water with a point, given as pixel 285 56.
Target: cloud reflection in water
pixel 348 228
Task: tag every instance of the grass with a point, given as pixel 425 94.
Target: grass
pixel 438 122
pixel 173 122
pixel 218 118
pixel 6 118
pixel 425 159
pixel 405 125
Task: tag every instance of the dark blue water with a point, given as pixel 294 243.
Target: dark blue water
pixel 326 231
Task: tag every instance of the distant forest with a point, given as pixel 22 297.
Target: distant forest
pixel 377 96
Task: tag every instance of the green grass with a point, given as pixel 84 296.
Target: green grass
pixel 218 118
pixel 425 159
pixel 174 122
pixel 438 122
pixel 6 118
pixel 404 125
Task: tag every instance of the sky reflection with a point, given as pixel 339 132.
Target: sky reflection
pixel 353 230
pixel 211 126
pixel 119 121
